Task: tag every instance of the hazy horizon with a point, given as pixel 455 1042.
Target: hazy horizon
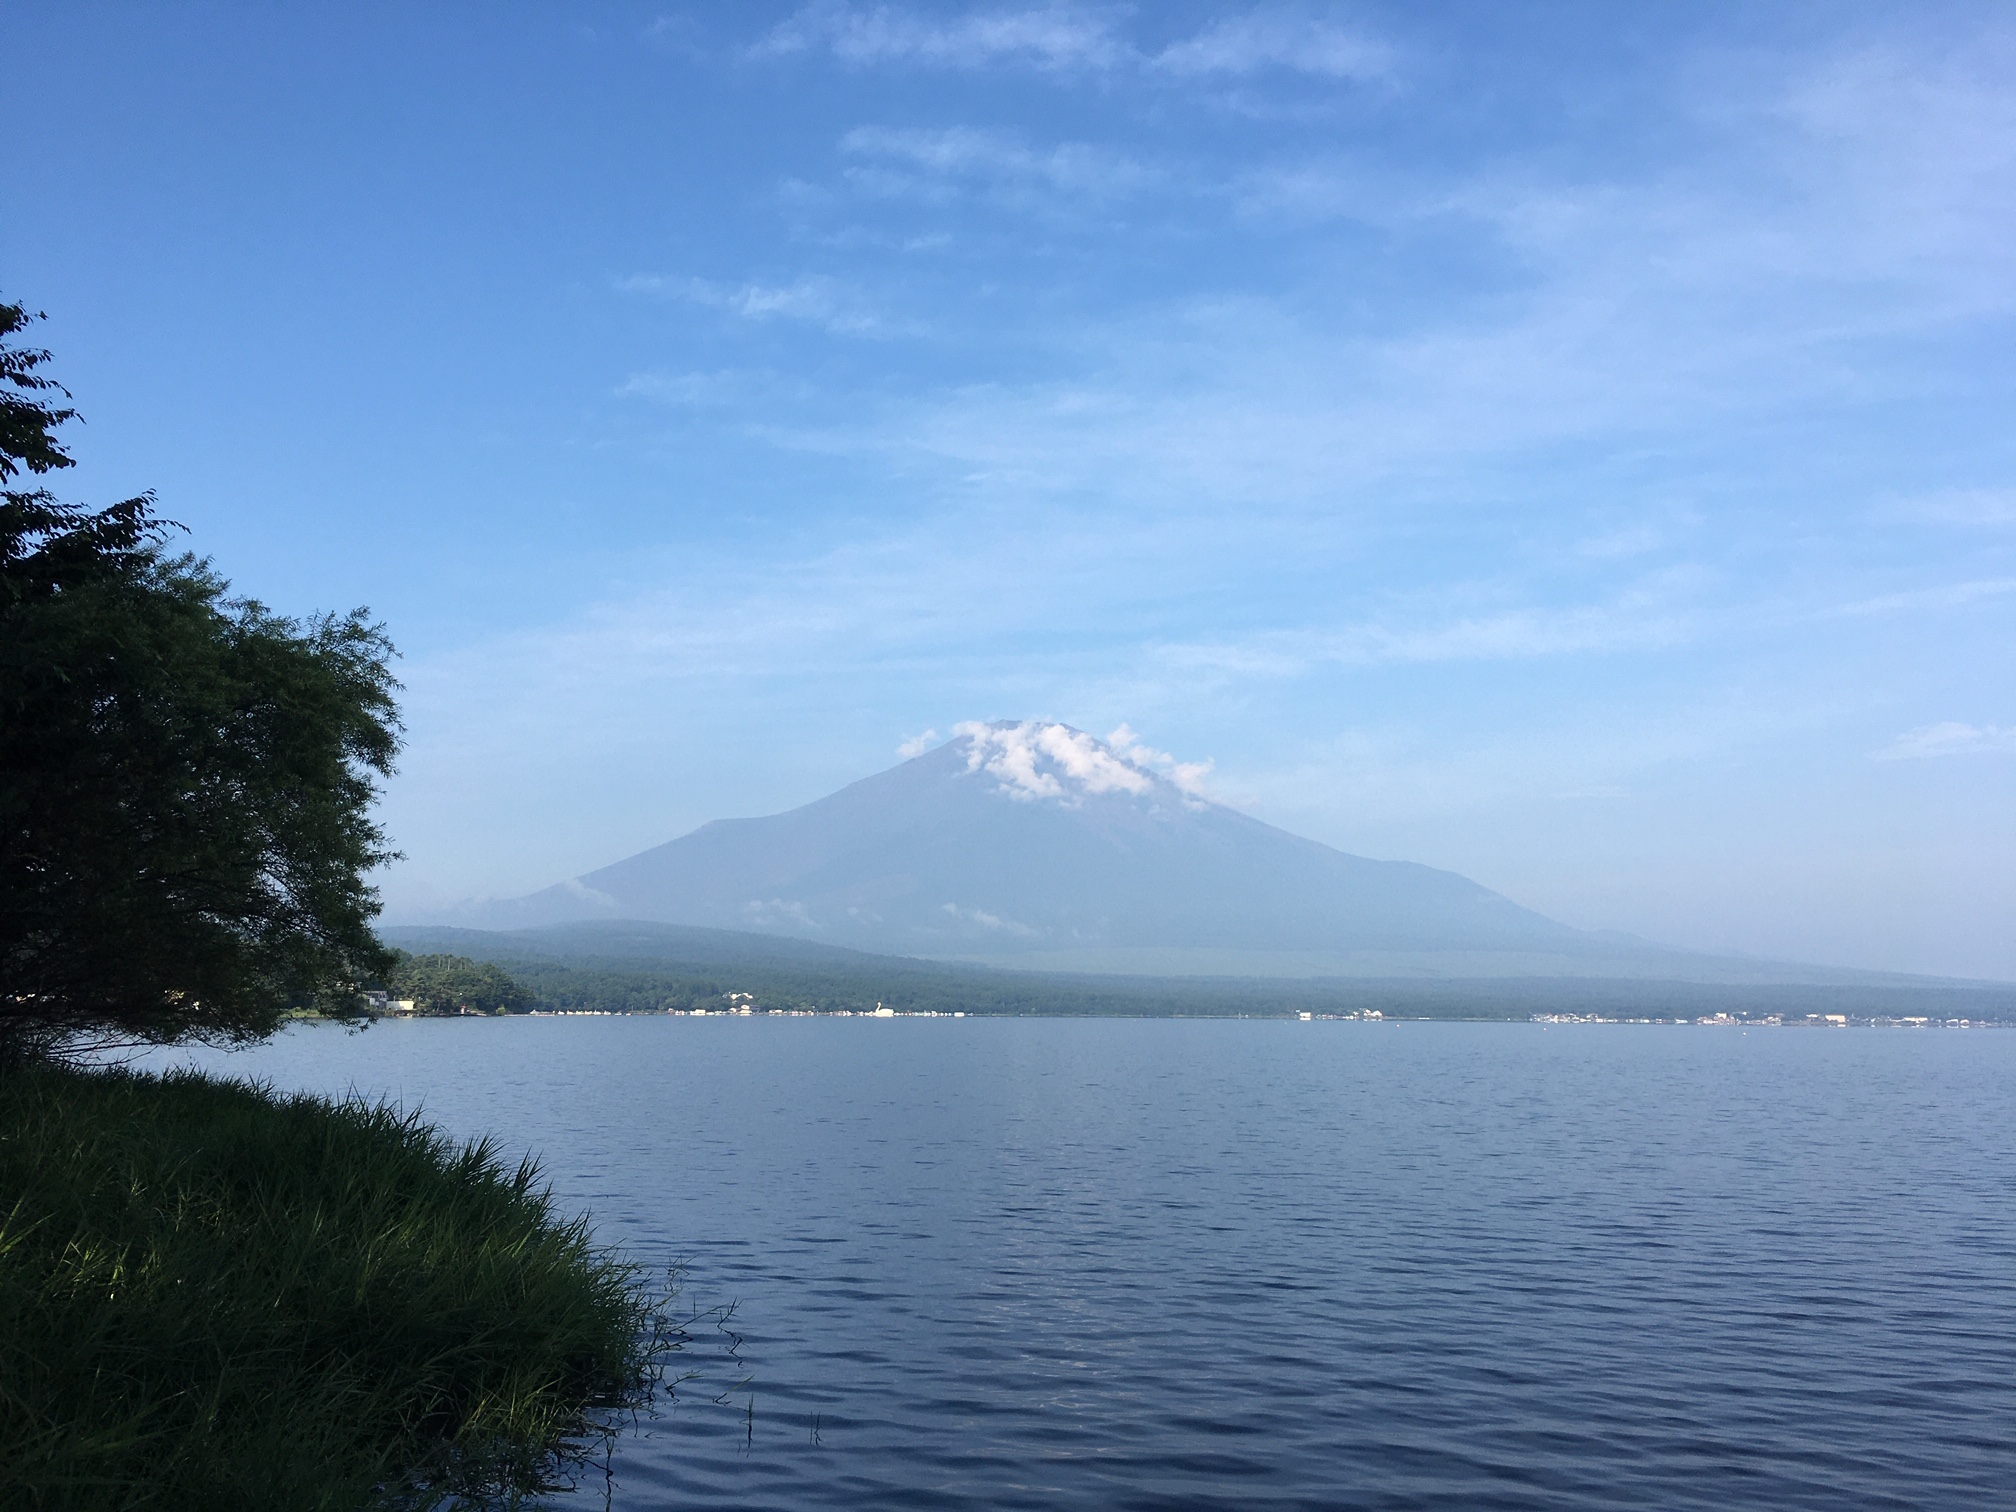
pixel 1563 445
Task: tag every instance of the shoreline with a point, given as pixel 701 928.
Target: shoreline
pixel 1372 1016
pixel 215 1294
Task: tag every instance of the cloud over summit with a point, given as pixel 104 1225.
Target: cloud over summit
pixel 1035 760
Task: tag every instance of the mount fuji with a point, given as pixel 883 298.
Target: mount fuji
pixel 1034 844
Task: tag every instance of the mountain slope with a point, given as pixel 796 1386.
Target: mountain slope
pixel 1031 841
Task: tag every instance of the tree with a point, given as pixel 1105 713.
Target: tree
pixel 452 983
pixel 185 777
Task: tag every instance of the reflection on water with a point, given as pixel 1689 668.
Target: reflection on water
pixel 1136 1264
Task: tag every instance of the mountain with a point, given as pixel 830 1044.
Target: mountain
pixel 1036 845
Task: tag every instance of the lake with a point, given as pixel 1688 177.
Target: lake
pixel 1070 1263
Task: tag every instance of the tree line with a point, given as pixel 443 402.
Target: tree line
pixel 452 984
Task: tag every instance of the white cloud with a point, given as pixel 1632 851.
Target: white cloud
pixel 1037 759
pixel 775 913
pixel 1624 541
pixel 690 390
pixel 815 298
pixel 987 920
pixel 1187 775
pixel 1071 38
pixel 1914 151
pixel 1949 738
pixel 990 157
pixel 1634 622
pixel 1632 313
pixel 1939 596
pixel 679 34
pixel 1963 506
pixel 916 745
pixel 1250 43
pixel 1522 633
pixel 1629 311
pixel 1055 37
pixel 1033 760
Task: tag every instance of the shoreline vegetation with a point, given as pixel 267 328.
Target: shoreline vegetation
pixel 1370 1016
pixel 506 980
pixel 214 1297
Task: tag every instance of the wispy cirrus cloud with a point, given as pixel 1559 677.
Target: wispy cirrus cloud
pixel 1626 309
pixel 1949 737
pixel 1983 507
pixel 1053 37
pixel 697 390
pixel 1260 40
pixel 1527 633
pixel 819 300
pixel 1937 596
pixel 1073 38
pixel 991 159
pixel 1914 158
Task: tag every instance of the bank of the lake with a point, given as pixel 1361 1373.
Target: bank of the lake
pixel 216 1297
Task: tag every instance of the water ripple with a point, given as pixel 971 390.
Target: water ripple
pixel 1148 1265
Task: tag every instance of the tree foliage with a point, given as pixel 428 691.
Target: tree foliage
pixel 454 984
pixel 185 777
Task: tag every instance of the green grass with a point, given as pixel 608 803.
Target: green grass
pixel 214 1297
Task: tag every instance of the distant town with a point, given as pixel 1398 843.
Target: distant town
pixel 1782 1021
pixel 745 1005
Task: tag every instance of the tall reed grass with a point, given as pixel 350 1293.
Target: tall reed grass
pixel 213 1297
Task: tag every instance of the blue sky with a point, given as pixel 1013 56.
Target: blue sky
pixel 1569 444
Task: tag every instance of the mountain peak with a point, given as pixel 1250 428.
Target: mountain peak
pixel 1037 761
pixel 1030 838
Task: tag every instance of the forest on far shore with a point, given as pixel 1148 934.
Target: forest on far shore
pixel 513 982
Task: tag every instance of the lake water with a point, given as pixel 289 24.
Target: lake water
pixel 988 1263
